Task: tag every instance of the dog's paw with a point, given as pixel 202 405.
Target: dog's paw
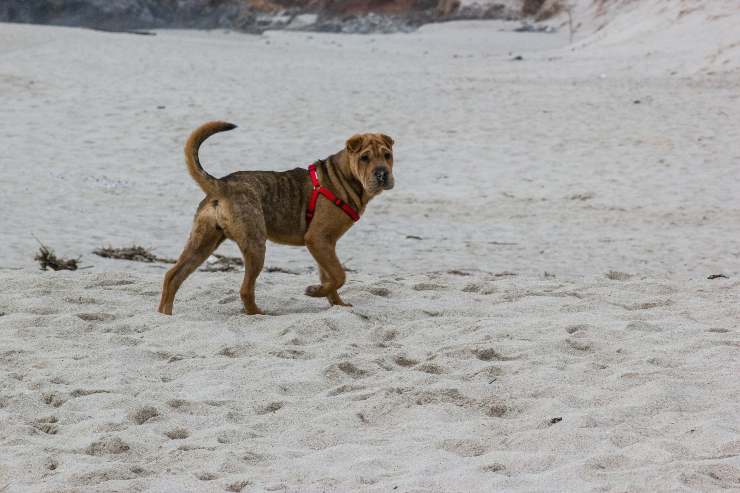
pixel 340 303
pixel 316 291
pixel 254 310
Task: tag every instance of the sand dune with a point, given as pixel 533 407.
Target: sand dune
pixel 531 304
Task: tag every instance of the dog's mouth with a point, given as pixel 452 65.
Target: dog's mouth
pixel 377 186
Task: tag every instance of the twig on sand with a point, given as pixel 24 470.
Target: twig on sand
pixel 134 253
pixel 284 271
pixel 717 276
pixel 48 260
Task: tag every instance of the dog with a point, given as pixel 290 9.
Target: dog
pixel 302 207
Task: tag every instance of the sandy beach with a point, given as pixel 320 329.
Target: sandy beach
pixel 532 309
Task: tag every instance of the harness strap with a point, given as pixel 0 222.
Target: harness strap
pixel 318 189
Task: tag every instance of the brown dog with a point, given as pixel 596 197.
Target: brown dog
pixel 251 207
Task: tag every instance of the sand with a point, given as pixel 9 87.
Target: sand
pixel 531 304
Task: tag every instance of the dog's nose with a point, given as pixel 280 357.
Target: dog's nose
pixel 381 174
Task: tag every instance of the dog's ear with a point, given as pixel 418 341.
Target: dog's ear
pixel 354 143
pixel 387 140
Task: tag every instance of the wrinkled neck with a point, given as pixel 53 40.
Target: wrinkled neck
pixel 348 187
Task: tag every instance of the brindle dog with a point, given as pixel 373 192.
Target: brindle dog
pixel 251 207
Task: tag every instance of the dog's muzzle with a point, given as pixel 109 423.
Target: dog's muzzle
pixel 383 178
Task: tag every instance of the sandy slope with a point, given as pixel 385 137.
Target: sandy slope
pixel 446 375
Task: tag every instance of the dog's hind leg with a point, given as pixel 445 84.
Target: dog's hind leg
pixel 205 237
pixel 252 246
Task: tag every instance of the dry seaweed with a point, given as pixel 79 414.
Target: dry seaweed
pixel 48 260
pixel 223 264
pixel 133 253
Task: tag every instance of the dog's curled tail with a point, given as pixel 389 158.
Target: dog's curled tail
pixel 210 184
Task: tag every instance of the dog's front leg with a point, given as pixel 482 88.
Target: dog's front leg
pixel 333 296
pixel 332 273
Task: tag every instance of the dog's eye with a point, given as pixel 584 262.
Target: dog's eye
pixel 388 156
pixel 364 158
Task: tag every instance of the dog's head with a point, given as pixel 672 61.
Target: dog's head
pixel 371 161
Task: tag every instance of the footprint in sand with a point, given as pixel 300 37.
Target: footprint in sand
pixel 343 389
pixel 235 351
pixel 495 467
pixel 143 414
pixel 85 392
pixel 52 464
pixel 343 369
pixel 618 276
pixel 607 463
pixel 572 329
pixel 463 448
pixel 291 354
pixel 428 286
pixel 383 337
pixel 441 396
pixel 379 291
pixel 107 446
pixel 581 346
pixel 105 283
pixel 646 306
pixel 405 361
pixel 484 289
pixel 53 399
pixel 43 310
pixel 269 408
pixel 641 326
pixel 171 357
pixel 194 408
pixel 664 362
pixel 490 373
pixel 235 436
pixel 237 486
pixel 253 458
pixel 177 434
pixel 490 354
pixel 81 300
pixel 431 369
pixel 47 425
pixel 96 317
pixel 501 410
pixel 228 299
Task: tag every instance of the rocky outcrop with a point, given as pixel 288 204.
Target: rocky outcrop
pixel 121 15
pixel 254 15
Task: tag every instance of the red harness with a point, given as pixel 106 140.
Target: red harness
pixel 318 189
